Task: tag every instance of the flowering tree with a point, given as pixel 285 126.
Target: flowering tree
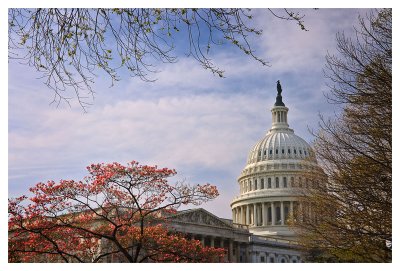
pixel 117 213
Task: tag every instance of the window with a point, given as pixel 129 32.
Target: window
pixel 284 182
pixel 276 151
pixel 277 182
pixel 288 151
pixel 269 215
pixel 270 152
pixel 255 184
pixel 294 151
pixel 300 182
pixel 250 188
pixel 286 213
pixel 265 152
pixel 269 182
pixel 271 260
pixel 262 183
pixel 292 182
pixel 262 259
pixel 283 151
pixel 305 152
pixel 300 151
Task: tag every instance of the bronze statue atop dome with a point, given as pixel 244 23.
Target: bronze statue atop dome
pixel 278 101
pixel 279 88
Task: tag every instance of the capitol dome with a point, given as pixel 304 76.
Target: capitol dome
pixel 271 180
pixel 277 145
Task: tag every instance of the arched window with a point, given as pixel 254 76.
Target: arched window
pixel 269 183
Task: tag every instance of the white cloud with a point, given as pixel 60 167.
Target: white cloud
pixel 290 49
pixel 188 119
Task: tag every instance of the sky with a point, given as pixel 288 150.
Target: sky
pixel 188 119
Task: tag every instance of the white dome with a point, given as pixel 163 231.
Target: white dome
pixel 272 180
pixel 279 144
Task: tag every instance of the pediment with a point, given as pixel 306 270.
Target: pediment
pixel 200 217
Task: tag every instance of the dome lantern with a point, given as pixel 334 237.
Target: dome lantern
pixel 279 111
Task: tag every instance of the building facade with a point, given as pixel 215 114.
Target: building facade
pixel 241 245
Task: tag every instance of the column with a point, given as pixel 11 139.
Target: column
pixel 282 214
pixel 255 214
pixel 230 251
pixel 273 213
pixel 212 241
pixel 233 215
pixel 221 243
pixel 264 214
pixel 254 257
pixel 238 252
pixel 247 215
pixel 242 215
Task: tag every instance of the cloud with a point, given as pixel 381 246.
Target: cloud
pixel 188 119
pixel 290 49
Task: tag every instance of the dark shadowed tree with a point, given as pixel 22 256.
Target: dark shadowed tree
pixel 68 46
pixel 351 217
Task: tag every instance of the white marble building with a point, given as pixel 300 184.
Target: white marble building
pixel 271 180
pixel 241 245
pixel 270 184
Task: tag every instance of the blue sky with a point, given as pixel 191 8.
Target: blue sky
pixel 199 124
